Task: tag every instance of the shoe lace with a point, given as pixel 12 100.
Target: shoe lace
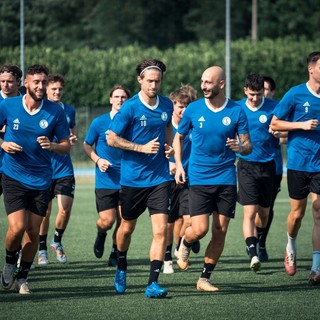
pixel 185 253
pixel 60 250
pixel 122 278
pixel 291 259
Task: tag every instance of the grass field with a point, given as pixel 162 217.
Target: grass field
pixel 83 288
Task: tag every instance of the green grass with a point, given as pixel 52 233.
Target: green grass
pixel 83 289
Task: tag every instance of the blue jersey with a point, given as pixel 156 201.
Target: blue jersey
pixel 62 163
pixel 1 137
pixel 211 161
pixel 98 134
pixel 186 150
pixel 32 166
pixel 301 104
pixel 140 124
pixel 263 142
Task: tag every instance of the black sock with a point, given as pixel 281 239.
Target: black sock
pixel 187 244
pixel 263 238
pixel 155 267
pixel 122 260
pixel 58 233
pixel 207 270
pixel 114 251
pixel 259 233
pixel 168 256
pixel 102 234
pixel 24 270
pixel 251 243
pixel 12 256
pixel 43 242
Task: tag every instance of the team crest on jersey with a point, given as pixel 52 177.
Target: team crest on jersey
pixel 226 121
pixel 263 118
pixel 43 124
pixel 164 116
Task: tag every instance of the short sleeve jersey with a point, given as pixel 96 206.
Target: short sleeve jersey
pixel 211 161
pixel 32 166
pixel 301 104
pixel 140 123
pixel 186 150
pixel 62 163
pixel 97 135
pixel 263 142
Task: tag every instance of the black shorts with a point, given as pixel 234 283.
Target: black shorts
pixel 255 182
pixel 106 199
pixel 64 186
pixel 179 201
pixel 18 197
pixel 208 199
pixel 134 201
pixel 301 183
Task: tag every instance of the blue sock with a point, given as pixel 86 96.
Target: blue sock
pixel 315 261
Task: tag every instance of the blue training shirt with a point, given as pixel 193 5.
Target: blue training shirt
pixel 211 161
pixel 61 163
pixel 98 134
pixel 263 142
pixel 140 123
pixel 32 166
pixel 301 104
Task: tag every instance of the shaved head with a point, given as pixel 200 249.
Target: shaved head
pixel 212 83
pixel 214 73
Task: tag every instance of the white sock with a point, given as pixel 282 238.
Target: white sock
pixel 291 245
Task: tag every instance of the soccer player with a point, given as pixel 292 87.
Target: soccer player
pixel 262 233
pixel 107 178
pixel 179 217
pixel 219 130
pixel 298 113
pixel 142 128
pixel 256 171
pixel 31 123
pixel 63 181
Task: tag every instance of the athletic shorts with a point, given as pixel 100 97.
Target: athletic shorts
pixel 208 199
pixel 255 182
pixel 106 199
pixel 301 183
pixel 18 197
pixel 179 201
pixel 64 186
pixel 134 201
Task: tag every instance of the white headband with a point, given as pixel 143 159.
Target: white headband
pixel 150 67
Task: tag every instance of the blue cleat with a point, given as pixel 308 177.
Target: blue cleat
pixel 120 284
pixel 153 290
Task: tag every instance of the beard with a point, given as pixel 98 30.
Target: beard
pixel 34 96
pixel 213 93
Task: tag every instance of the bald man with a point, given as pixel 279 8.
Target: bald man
pixel 219 131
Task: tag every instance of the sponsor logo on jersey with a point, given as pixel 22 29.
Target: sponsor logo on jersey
pixel 16 123
pixel 143 121
pixel 201 121
pixel 306 106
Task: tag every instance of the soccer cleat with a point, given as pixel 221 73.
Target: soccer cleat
pixel 204 284
pixel 120 283
pixel 43 257
pixel 8 275
pixel 314 279
pixel 183 256
pixel 263 254
pixel 113 261
pixel 255 264
pixel 168 267
pixel 176 252
pixel 98 247
pixel 153 290
pixel 196 247
pixel 60 254
pixel 290 264
pixel 21 286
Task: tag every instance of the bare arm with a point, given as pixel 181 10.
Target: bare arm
pixel 169 151
pixel 61 147
pixel 102 163
pixel 73 135
pixel 283 125
pixel 180 175
pixel 244 148
pixel 116 141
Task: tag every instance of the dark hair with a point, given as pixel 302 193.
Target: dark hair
pixel 56 77
pixel 271 82
pixel 121 87
pixel 313 57
pixel 13 69
pixel 149 63
pixel 254 82
pixel 36 69
pixel 185 94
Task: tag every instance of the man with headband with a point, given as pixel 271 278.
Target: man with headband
pixel 142 128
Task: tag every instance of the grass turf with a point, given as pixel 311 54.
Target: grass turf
pixel 83 288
